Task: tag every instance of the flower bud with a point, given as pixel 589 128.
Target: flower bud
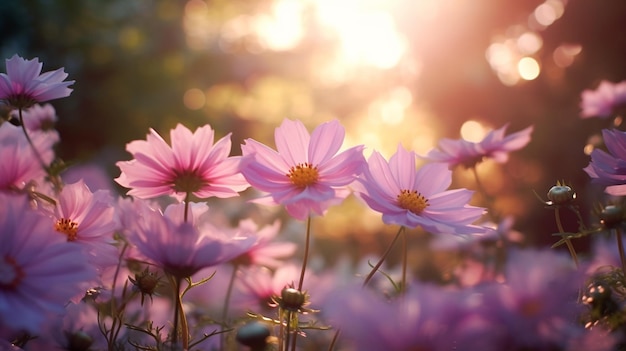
pixel 253 335
pixel 611 216
pixel 292 299
pixel 561 194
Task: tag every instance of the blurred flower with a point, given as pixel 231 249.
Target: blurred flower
pixel 603 101
pixel 535 306
pixel 257 286
pixel 192 165
pixel 39 272
pixel 425 318
pixel 609 169
pixel 19 163
pixel 494 145
pixel 417 198
pixel 265 251
pixel 75 329
pixel 23 85
pixel 306 174
pixel 182 248
pixel 38 117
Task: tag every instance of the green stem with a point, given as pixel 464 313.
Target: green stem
pixel 55 181
pixel 405 254
pixel 489 199
pixel 620 246
pixel 288 330
pixel 334 341
pixel 179 314
pixel 382 259
pixel 229 292
pixel 187 198
pixel 568 242
pixel 306 252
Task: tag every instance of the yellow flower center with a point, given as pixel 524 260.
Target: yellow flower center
pixel 412 200
pixel 302 175
pixel 10 273
pixel 67 227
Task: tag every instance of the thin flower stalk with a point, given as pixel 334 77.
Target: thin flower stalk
pixel 383 257
pixel 306 252
pixel 620 247
pixel 568 242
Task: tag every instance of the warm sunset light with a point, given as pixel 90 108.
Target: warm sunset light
pixel 528 68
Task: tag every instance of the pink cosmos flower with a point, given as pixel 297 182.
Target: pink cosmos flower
pixel 183 248
pixel 38 117
pixel 258 285
pixel 609 168
pixel 417 198
pixel 305 174
pixel 39 271
pixel 495 145
pixel 603 101
pixel 87 219
pixel 265 251
pixel 19 164
pixel 191 165
pixel 24 84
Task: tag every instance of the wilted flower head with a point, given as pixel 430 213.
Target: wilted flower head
pixel 417 198
pixel 603 101
pixel 306 174
pixel 609 168
pixel 24 85
pixel 39 272
pixel 191 165
pixel 495 145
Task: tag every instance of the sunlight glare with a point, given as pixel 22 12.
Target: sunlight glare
pixel 366 36
pixel 473 131
pixel 528 68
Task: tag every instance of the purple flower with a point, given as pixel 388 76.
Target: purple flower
pixel 265 251
pixel 495 146
pixel 192 165
pixel 603 101
pixel 24 85
pixel 38 117
pixel 537 306
pixel 609 169
pixel 183 248
pixel 306 174
pixel 417 198
pixel 425 318
pixel 39 271
pixel 19 164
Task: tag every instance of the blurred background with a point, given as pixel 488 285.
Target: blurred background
pixel 392 71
